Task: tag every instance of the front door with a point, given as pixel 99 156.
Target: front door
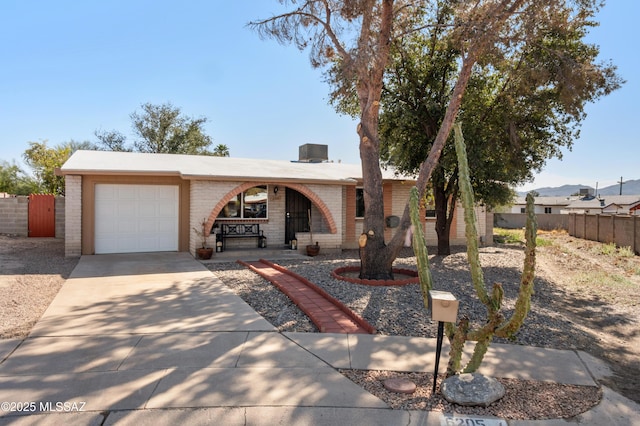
pixel 297 220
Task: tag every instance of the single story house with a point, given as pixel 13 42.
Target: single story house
pixel 608 204
pixel 542 205
pixel 124 202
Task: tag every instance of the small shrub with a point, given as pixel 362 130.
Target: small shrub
pixel 508 236
pixel 543 242
pixel 626 252
pixel 609 249
pixel 603 280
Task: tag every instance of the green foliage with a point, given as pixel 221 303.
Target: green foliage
pixel 517 109
pixel 112 140
pixel 221 150
pixel 508 236
pixel 626 251
pixel 163 129
pixel 616 283
pixel 44 160
pixel 609 249
pixel 543 242
pixel 516 236
pixel 14 181
pixel 612 250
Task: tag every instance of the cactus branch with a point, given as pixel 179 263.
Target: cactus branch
pixel 420 246
pixel 468 204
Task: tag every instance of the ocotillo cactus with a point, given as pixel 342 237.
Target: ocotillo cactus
pixel 496 324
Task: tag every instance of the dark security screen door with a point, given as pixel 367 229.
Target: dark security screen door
pixel 297 206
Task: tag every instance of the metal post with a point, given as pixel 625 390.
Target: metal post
pixel 438 352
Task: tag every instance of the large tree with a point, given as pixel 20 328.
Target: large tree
pixel 356 35
pixel 161 129
pixel 14 181
pixel 44 161
pixel 517 112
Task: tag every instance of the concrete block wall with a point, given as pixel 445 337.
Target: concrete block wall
pixel 546 221
pixel 14 216
pixel 622 230
pixel 73 216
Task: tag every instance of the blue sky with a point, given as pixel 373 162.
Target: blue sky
pixel 72 67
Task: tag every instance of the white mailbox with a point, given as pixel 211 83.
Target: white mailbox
pixel 444 306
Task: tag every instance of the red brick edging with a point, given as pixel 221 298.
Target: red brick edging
pixel 355 317
pixel 337 274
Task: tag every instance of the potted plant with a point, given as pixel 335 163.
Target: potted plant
pixel 312 249
pixel 203 252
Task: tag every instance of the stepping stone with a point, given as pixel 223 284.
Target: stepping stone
pixel 400 385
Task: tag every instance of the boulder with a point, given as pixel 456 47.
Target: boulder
pixel 472 389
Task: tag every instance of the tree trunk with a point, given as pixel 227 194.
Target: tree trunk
pixel 443 225
pixel 375 258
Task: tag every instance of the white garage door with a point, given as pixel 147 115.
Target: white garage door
pixel 136 218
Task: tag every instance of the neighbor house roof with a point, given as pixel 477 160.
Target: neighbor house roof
pixel 214 168
pixel 545 201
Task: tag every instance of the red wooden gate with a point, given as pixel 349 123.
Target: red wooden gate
pixel 42 215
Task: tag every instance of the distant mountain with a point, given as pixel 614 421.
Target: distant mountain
pixel 629 187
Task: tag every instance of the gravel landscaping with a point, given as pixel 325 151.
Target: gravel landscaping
pixel 574 307
pixel 567 312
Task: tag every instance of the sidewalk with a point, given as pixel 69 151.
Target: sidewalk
pixel 157 339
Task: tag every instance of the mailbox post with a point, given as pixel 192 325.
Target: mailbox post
pixel 444 308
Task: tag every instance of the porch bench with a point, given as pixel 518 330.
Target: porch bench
pixel 239 230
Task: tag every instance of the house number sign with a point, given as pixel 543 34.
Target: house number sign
pixel 459 420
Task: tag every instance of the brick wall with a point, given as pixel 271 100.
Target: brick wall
pixel 60 214
pixel 73 216
pixel 207 196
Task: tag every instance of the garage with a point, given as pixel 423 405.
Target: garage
pixel 136 218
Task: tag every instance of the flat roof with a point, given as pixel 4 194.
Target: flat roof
pixel 198 167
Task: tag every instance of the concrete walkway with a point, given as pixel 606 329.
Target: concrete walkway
pixel 157 339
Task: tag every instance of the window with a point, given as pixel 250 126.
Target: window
pixel 523 210
pixel 547 210
pixel 359 202
pixel 249 204
pixel 430 213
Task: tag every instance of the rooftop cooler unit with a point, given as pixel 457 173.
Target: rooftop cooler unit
pixel 313 153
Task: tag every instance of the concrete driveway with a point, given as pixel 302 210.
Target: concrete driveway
pixel 142 331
